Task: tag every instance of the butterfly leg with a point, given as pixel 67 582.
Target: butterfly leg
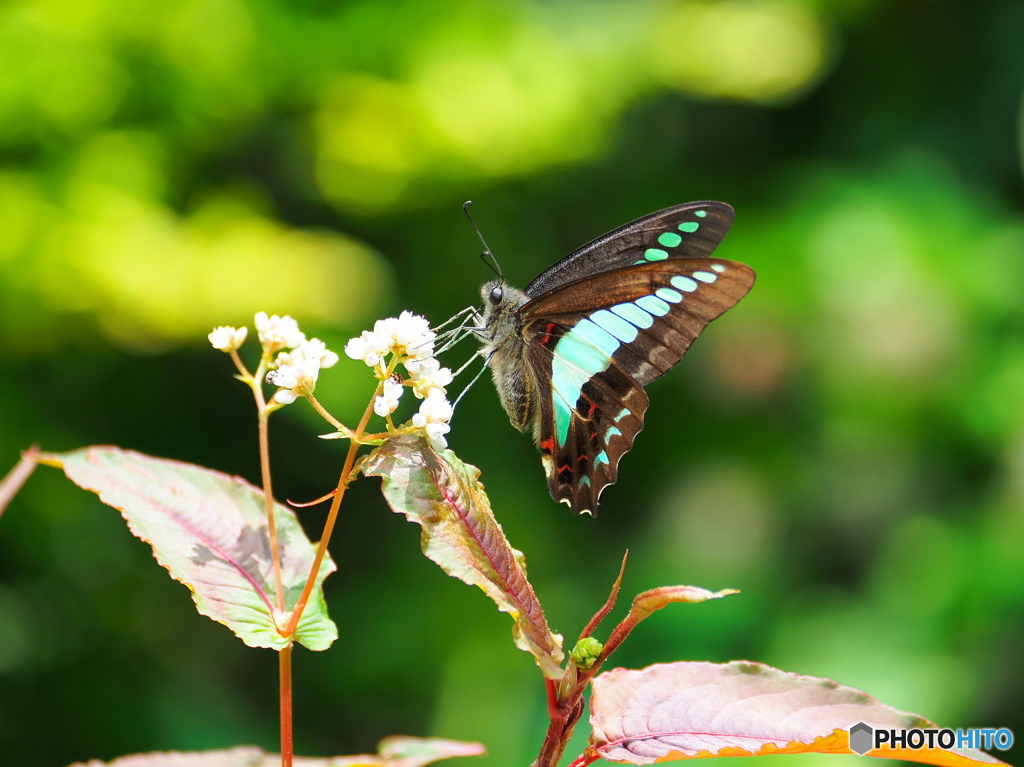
pixel 468 327
pixel 475 378
pixel 458 315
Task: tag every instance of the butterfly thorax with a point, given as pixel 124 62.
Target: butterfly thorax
pixel 504 347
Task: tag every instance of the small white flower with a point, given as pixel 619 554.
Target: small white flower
pixel 314 347
pixel 356 349
pixel 368 347
pixel 409 335
pixel 296 378
pixel 434 409
pixel 227 338
pixel 387 402
pixel 433 417
pixel 427 376
pixel 278 333
pixel 285 396
pixel 435 434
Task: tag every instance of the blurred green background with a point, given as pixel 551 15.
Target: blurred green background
pixel 846 446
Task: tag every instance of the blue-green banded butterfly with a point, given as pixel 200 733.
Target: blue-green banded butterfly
pixel 571 354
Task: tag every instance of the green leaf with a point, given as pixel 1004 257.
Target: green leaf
pixel 444 496
pixel 210 531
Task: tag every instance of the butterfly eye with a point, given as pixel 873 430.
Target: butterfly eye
pixel 496 295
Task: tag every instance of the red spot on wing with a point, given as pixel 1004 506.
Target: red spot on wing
pixel 548 445
pixel 548 334
pixel 591 407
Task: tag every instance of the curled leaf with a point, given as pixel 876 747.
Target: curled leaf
pixel 694 710
pixel 609 603
pixel 444 496
pixel 210 531
pixel 649 602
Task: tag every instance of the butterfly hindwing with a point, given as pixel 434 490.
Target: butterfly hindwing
pixel 692 230
pixel 582 442
pixel 593 350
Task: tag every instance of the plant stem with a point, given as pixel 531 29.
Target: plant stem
pixel 552 689
pixel 555 740
pixel 284 657
pixel 332 516
pixel 323 412
pixel 569 711
pixel 287 739
pixel 587 757
pixel 11 484
pixel 268 493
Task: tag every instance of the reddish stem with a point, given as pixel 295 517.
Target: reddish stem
pixel 565 698
pixel 287 738
pixel 587 757
pixel 332 517
pixel 552 688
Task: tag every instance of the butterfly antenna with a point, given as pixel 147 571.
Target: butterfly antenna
pixel 493 263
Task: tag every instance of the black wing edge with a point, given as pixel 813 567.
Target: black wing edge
pixel 567 270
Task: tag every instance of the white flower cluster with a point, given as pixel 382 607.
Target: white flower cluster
pixel 227 338
pixel 407 335
pixel 433 418
pixel 294 371
pixel 277 333
pixel 387 402
pixel 409 338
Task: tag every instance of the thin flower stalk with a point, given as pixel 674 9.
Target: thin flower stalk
pixel 332 516
pixel 272 333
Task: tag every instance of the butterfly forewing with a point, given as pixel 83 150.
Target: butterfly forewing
pixel 692 230
pixel 594 346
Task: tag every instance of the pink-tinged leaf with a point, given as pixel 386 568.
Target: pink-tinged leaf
pixel 407 751
pixel 649 602
pixel 397 751
pixel 210 531
pixel 16 477
pixel 444 496
pixel 697 710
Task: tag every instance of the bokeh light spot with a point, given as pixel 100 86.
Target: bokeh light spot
pixel 757 50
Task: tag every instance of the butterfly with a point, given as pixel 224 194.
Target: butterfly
pixel 570 355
